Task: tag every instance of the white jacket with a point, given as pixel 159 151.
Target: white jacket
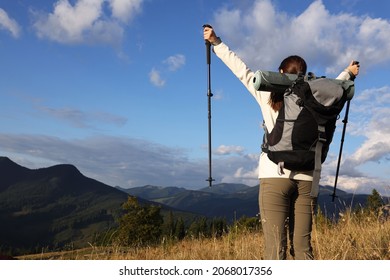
pixel 267 168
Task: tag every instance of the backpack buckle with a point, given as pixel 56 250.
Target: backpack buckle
pixel 321 134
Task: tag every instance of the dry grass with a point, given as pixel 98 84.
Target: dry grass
pixel 352 238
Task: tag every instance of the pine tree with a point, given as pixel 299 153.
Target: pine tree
pixel 374 202
pixel 218 227
pixel 193 230
pixel 169 226
pixel 203 228
pixel 140 225
pixel 180 231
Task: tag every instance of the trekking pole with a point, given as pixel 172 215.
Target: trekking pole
pixel 345 121
pixel 209 95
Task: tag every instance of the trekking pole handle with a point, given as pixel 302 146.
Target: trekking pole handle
pixel 208 46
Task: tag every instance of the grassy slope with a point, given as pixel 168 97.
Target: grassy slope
pixel 352 238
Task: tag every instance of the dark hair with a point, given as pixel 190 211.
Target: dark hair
pixel 293 64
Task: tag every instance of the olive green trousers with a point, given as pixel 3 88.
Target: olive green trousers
pixel 286 212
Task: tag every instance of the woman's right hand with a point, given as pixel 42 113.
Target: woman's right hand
pixel 209 34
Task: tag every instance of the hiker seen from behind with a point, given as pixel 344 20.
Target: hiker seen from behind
pixel 287 200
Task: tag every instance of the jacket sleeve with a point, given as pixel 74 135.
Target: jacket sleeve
pixel 345 75
pixel 239 69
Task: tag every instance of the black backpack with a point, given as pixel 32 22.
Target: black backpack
pixel 306 123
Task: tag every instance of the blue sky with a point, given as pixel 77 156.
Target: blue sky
pixel 118 87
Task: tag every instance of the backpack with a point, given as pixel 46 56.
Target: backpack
pixel 306 122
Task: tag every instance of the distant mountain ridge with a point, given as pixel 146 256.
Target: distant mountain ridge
pixel 232 201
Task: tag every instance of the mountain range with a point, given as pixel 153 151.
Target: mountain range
pixel 58 207
pixel 232 201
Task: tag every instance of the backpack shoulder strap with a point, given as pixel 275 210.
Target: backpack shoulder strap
pixel 264 145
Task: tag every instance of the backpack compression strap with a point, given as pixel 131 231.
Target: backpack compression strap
pixel 317 161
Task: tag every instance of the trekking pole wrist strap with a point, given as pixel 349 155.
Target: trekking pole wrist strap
pixel 217 42
pixel 352 76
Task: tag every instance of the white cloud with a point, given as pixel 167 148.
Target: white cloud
pixel 170 64
pixel 9 24
pixel 125 10
pixel 228 150
pixel 263 36
pixel 155 78
pixel 85 21
pixel 357 184
pixel 243 169
pixel 373 115
pixel 69 24
pixel 175 62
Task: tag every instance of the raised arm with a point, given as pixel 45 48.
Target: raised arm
pixel 350 72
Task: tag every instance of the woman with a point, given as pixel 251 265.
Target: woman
pixel 284 200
